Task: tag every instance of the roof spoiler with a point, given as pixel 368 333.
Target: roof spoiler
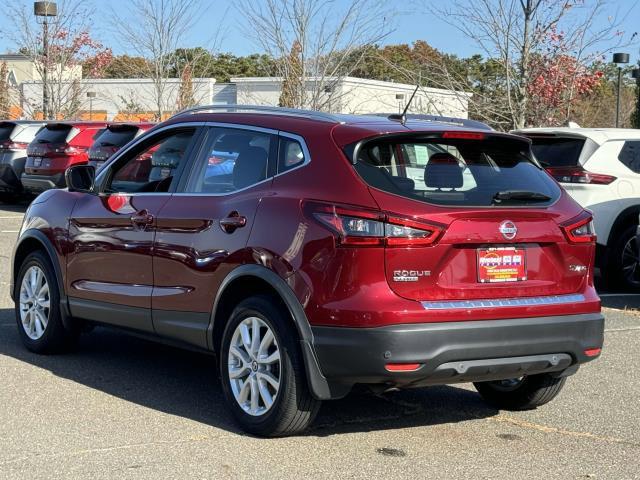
pixel 459 122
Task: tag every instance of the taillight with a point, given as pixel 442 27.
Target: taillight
pixel 580 229
pixel 12 146
pixel 579 175
pixel 356 227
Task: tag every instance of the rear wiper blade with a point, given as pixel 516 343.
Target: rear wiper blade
pixel 523 195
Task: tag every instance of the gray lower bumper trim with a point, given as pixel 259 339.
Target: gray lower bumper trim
pixel 503 302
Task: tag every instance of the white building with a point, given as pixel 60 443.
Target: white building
pixel 350 95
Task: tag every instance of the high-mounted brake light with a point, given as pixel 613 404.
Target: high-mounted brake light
pixel 579 175
pixel 464 135
pixel 580 229
pixel 359 227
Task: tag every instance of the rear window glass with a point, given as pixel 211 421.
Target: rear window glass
pixel 53 135
pixel 494 171
pixel 557 152
pixel 116 138
pixel 5 131
pixel 630 155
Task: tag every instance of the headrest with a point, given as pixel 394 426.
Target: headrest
pixel 443 171
pixel 234 142
pixel 250 167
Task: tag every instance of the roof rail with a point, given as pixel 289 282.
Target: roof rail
pixel 294 112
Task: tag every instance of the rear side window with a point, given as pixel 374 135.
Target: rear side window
pixel 630 155
pixel 291 154
pixel 231 160
pixel 557 152
pixel 493 171
pixel 56 134
pixel 116 137
pixel 5 131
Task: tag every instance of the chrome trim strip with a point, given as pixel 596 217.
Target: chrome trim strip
pixel 503 302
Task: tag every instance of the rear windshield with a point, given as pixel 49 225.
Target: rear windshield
pixel 489 172
pixel 56 134
pixel 116 138
pixel 557 152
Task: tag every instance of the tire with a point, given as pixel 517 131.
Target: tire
pixel 620 269
pixel 51 336
pixel 525 394
pixel 293 407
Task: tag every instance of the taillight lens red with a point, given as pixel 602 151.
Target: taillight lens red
pixel 580 229
pixel 357 227
pixel 579 175
pixel 9 145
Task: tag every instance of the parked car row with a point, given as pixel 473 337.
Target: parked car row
pixel 34 154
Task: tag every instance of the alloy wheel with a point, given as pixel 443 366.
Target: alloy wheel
pixel 254 366
pixel 34 302
pixel 631 262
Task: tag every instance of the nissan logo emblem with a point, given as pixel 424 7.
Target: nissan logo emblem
pixel 508 229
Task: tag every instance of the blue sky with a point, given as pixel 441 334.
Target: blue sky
pixel 413 22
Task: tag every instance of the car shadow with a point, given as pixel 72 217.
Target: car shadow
pixel 19 205
pixel 186 384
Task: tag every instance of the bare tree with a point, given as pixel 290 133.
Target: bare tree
pixel 59 66
pixel 325 37
pixel 156 34
pixel 514 32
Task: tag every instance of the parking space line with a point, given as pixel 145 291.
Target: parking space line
pixel 607 330
pixel 560 431
pixel 9 231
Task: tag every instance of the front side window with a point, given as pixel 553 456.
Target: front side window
pixel 153 168
pixel 232 160
pixel 470 172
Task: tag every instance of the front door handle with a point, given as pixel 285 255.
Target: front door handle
pixel 142 219
pixel 233 221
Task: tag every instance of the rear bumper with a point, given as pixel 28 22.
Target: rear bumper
pixel 40 183
pixel 454 352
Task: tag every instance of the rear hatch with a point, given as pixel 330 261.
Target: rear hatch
pixel 7 145
pixel 49 152
pixel 497 223
pixel 564 156
pixel 109 142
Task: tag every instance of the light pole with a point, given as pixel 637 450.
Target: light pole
pixel 635 73
pixel 42 11
pixel 400 98
pixel 619 59
pixel 91 96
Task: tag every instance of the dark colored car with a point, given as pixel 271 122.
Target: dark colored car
pixel 112 139
pixel 322 260
pixel 15 136
pixel 55 148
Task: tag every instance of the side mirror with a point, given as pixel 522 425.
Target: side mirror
pixel 80 178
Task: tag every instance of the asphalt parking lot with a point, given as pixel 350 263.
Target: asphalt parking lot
pixel 122 407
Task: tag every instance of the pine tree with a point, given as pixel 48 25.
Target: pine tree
pixel 292 83
pixel 185 95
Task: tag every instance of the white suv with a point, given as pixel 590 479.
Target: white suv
pixel 600 168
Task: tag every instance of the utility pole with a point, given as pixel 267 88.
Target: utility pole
pixel 42 11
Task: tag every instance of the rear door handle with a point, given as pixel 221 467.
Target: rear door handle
pixel 142 219
pixel 233 221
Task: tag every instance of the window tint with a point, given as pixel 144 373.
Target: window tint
pixel 56 134
pixel 5 131
pixel 232 160
pixel 630 155
pixel 291 154
pixel 116 137
pixel 557 152
pixel 457 172
pixel 153 168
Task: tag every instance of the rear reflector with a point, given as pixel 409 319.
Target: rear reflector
pixel 464 135
pixel 592 352
pixel 402 367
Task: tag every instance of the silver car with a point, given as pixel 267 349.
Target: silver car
pixel 15 136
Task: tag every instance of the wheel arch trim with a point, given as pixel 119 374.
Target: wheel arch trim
pixel 318 384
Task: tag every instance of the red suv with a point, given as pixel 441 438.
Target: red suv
pixel 112 139
pixel 313 252
pixel 56 147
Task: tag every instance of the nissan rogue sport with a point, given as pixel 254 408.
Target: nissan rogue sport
pixel 331 251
